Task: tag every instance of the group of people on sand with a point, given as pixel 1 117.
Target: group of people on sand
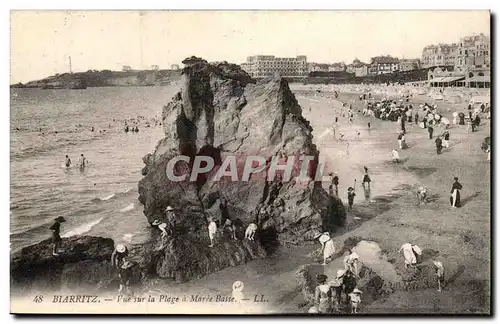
pixel 339 295
pixel 333 187
pixel 412 256
pixel 342 293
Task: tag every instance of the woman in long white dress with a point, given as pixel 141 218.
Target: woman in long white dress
pixel 327 246
pixel 410 253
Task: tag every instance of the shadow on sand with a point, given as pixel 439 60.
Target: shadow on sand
pixel 464 201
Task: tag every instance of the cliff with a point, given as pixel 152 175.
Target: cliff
pixel 104 78
pixel 222 112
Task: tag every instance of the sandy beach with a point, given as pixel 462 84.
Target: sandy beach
pixel 462 236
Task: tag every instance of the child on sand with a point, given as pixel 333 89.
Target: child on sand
pixel 439 273
pixel 350 197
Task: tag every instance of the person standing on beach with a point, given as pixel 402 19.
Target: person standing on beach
pixel 416 118
pixel 400 140
pixel 334 184
pixel 56 237
pixel 366 179
pixel 349 284
pixel 439 145
pixel 446 136
pixel 403 122
pixel 430 130
pixel 67 162
pixel 323 295
pixel 395 156
pixel 350 197
pixel 327 247
pixel 455 193
pixel 438 266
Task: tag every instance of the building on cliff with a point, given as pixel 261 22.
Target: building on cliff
pixel 260 66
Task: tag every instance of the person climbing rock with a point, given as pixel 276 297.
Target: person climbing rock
pixel 250 231
pixel 274 191
pixel 119 254
pixel 125 276
pixel 231 228
pixel 212 231
pixel 56 237
pixel 171 220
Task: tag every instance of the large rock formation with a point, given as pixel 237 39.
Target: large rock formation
pixel 220 112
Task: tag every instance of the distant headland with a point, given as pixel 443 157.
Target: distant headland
pixel 103 78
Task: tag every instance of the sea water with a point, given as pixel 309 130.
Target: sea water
pixel 101 200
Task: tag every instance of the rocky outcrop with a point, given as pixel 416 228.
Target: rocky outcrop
pixel 84 264
pixel 222 112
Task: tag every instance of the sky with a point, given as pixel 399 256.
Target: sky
pixel 42 41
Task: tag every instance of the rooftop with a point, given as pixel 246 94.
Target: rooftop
pixel 384 59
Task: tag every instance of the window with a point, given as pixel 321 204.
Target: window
pixel 480 74
pixel 471 74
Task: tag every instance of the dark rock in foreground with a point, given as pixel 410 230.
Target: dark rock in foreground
pixel 221 111
pixel 191 258
pixel 85 264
